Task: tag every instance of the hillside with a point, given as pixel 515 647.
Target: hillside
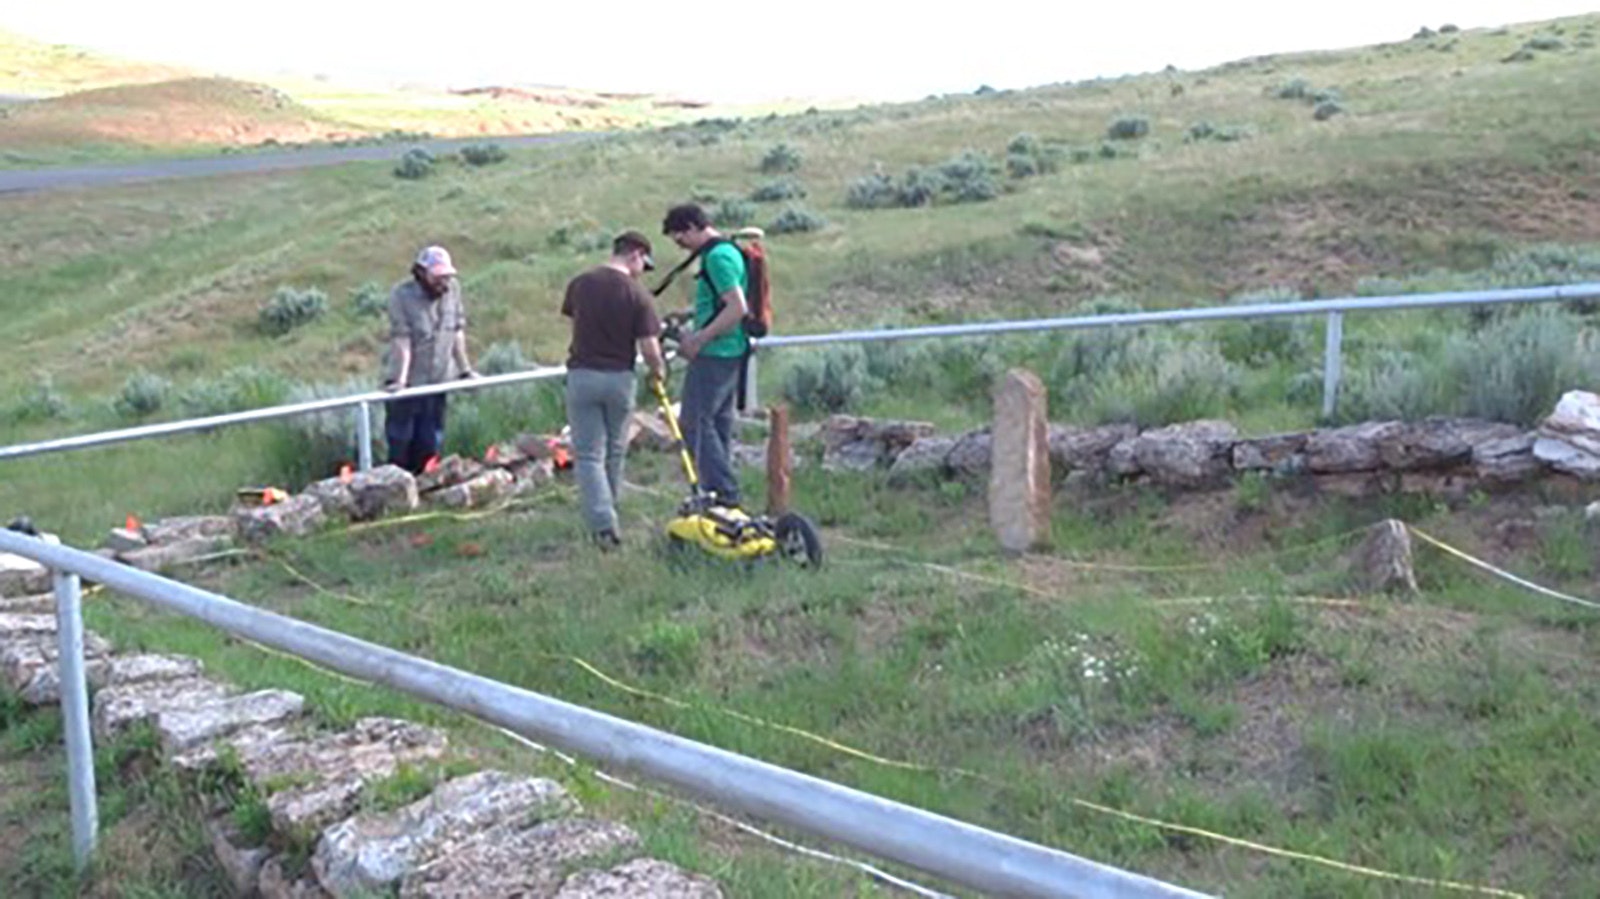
pixel 1252 690
pixel 90 106
pixel 192 111
pixel 33 68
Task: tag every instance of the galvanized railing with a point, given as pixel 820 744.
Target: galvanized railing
pixel 980 859
pixel 1333 309
pixel 362 403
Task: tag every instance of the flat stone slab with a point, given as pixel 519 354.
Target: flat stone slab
pixel 39 604
pixel 242 864
pixel 188 527
pixel 164 556
pixel 32 670
pixel 23 627
pixel 117 708
pixel 640 877
pixel 182 729
pixel 314 781
pixel 275 884
pixel 21 576
pixel 510 862
pixel 373 853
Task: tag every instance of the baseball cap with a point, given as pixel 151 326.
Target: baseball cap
pixel 628 240
pixel 436 261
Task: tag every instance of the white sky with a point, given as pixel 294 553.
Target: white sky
pixel 737 50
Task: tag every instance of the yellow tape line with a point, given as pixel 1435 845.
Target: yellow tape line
pixel 1082 803
pixel 851 751
pixel 1500 572
pixel 1301 856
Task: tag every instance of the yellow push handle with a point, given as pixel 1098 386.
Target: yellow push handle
pixel 659 388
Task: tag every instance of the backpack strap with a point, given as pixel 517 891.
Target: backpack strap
pixel 678 270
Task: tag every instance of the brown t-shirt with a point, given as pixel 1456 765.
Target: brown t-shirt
pixel 609 311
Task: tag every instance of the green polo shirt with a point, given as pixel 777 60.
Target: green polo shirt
pixel 721 269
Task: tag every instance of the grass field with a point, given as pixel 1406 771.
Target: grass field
pixel 1449 737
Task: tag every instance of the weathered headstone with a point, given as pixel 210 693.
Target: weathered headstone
pixel 1383 561
pixel 1019 469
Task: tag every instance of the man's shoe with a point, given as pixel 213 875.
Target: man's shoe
pixel 607 540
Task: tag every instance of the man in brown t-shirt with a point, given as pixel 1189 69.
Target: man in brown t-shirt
pixel 612 316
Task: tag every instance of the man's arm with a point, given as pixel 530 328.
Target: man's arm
pixel 458 348
pixel 399 363
pixel 399 344
pixel 650 349
pixel 733 309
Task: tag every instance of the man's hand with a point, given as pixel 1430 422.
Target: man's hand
pixel 392 386
pixel 689 347
pixel 470 374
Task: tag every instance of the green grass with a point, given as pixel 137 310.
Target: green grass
pixel 151 840
pixel 1412 737
pixel 1448 737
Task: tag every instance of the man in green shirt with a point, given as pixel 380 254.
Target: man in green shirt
pixel 716 348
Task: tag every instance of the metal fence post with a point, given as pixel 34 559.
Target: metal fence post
pixel 752 398
pixel 1332 364
pixel 364 435
pixel 75 717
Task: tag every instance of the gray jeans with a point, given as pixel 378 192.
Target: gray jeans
pixel 598 404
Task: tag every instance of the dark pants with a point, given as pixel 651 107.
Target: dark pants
pixel 709 391
pixel 415 430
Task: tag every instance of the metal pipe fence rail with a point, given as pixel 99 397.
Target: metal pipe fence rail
pixel 1333 309
pixel 993 863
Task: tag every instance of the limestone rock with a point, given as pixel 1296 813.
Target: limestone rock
pixel 640 877
pixel 122 540
pixel 1507 460
pixel 1435 443
pixel 117 708
pixel 928 454
pixel 1086 449
pixel 1123 460
pixel 486 489
pixel 275 883
pixel 185 728
pixel 32 671
pixel 971 454
pixel 647 430
pixel 1282 454
pixel 375 852
pixel 452 470
pixel 1349 449
pixel 507 861
pixel 385 490
pixel 850 443
pixel 296 517
pixel 1193 454
pixel 241 863
pixel 166 556
pixel 42 604
pixel 188 527
pixel 335 497
pixel 21 576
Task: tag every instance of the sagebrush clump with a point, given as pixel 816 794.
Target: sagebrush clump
pixel 415 165
pixel 291 308
pixel 482 154
pixel 796 220
pixel 781 159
